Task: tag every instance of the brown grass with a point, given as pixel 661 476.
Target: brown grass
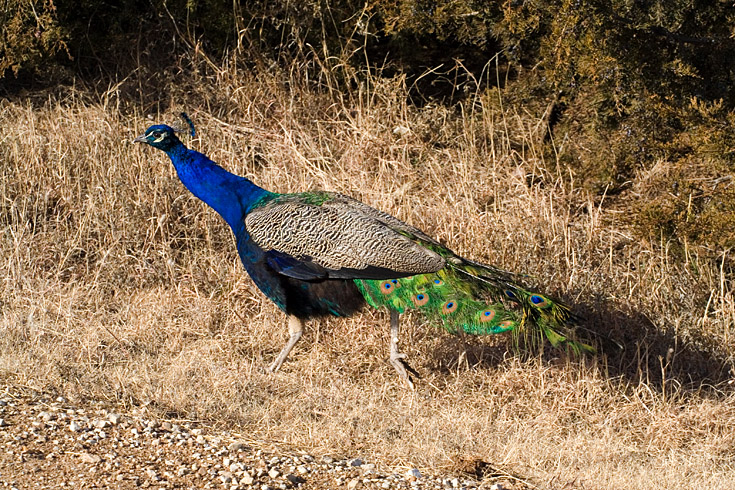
pixel 118 284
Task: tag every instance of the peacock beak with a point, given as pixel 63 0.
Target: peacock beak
pixel 140 139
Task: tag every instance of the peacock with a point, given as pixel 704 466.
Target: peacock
pixel 322 253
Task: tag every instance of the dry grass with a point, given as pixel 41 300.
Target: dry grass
pixel 118 284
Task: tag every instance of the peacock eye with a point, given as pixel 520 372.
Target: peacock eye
pixel 157 134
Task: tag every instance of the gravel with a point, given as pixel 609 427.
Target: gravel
pixel 48 442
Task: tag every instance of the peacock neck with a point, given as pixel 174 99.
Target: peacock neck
pixel 230 195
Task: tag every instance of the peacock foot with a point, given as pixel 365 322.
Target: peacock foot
pixel 399 363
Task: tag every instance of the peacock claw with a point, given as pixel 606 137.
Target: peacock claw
pixel 399 363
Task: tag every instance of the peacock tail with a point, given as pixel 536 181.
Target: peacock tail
pixel 478 300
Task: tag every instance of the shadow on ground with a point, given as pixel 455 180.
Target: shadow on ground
pixel 630 347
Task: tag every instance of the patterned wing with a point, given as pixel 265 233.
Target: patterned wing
pixel 310 236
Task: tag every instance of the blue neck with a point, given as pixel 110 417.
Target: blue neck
pixel 228 194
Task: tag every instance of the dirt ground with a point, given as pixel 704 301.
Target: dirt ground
pixel 48 443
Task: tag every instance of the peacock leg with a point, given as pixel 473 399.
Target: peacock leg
pixel 296 329
pixel 397 359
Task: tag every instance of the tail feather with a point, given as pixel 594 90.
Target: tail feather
pixel 479 300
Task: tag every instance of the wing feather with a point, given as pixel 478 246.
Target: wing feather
pixel 338 237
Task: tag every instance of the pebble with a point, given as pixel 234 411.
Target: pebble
pixel 45 416
pixel 226 477
pixel 295 480
pixel 237 446
pixel 90 458
pixel 413 474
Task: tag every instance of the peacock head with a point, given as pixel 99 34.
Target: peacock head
pixel 164 137
pixel 159 136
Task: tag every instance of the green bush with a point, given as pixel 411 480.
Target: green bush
pixel 30 34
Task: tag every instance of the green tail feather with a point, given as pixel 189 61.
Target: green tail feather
pixel 479 300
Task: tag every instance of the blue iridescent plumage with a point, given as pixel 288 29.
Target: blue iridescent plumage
pixel 319 253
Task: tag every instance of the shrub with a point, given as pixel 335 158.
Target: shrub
pixel 31 33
